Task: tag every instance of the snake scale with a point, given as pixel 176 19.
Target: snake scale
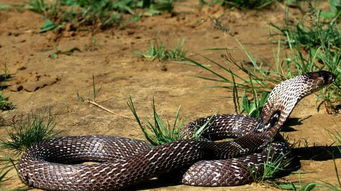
pixel 56 164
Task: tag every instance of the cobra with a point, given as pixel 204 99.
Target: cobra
pixel 56 164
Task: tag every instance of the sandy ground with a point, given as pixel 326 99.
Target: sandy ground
pixel 41 82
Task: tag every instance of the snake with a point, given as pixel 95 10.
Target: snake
pixel 118 163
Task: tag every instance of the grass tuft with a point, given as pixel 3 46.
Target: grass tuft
pixel 253 107
pixel 272 167
pixel 5 104
pixel 5 76
pixel 158 50
pixel 27 131
pixel 240 4
pixel 100 14
pixel 159 132
pixel 24 132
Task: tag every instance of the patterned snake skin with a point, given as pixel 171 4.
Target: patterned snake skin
pixel 55 164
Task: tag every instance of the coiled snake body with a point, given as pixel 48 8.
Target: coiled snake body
pixel 55 164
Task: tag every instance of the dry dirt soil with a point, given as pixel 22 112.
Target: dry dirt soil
pixel 41 83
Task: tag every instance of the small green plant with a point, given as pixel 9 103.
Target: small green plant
pixel 4 6
pixel 78 13
pixel 319 31
pixel 241 4
pixel 158 50
pixel 48 25
pixel 38 6
pixel 271 167
pixel 96 13
pixel 5 76
pixel 153 7
pixel 27 131
pixel 58 52
pixel 159 132
pixel 253 107
pixel 5 104
pixel 24 132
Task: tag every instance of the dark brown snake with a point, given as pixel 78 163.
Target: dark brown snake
pixel 55 164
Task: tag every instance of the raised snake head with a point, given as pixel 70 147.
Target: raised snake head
pixel 286 95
